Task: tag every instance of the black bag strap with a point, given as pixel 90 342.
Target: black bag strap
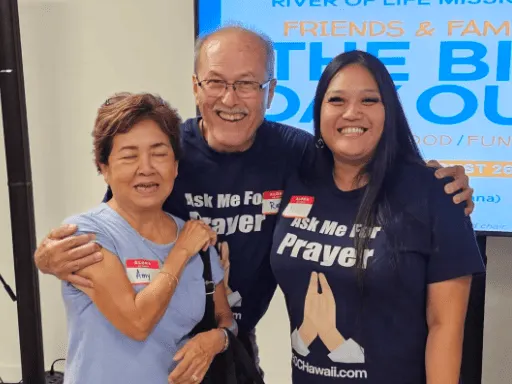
pixel 237 350
pixel 209 314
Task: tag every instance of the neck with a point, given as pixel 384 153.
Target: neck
pixel 347 176
pixel 147 222
pixel 219 147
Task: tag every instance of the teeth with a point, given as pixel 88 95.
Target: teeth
pixel 352 130
pixel 231 116
pixel 146 187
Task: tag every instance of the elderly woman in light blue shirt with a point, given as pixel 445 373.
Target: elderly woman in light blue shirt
pixel 148 292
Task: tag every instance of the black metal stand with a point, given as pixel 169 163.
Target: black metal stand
pixel 19 177
pixel 472 354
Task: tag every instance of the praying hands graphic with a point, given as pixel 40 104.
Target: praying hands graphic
pixel 320 321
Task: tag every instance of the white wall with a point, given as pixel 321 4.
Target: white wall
pixel 78 52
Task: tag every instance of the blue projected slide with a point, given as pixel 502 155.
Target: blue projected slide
pixel 450 59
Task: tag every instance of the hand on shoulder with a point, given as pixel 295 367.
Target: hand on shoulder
pixel 62 253
pixel 459 186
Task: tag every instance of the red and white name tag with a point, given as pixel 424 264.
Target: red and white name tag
pixel 141 271
pixel 299 207
pixel 271 202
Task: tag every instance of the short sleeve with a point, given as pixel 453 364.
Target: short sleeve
pixel 217 270
pixel 87 223
pixel 454 251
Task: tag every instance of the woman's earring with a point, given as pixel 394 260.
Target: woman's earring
pixel 320 143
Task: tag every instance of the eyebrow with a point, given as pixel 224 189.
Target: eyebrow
pixel 340 91
pixel 134 147
pixel 245 74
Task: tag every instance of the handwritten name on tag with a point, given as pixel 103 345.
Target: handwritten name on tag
pixel 141 271
pixel 271 202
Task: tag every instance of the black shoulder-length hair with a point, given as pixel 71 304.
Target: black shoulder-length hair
pixel 396 147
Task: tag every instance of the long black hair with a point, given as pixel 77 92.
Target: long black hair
pixel 396 146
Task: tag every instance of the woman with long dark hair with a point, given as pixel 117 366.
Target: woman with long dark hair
pixel 374 258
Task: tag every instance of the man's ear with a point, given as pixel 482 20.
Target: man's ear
pixel 271 92
pixel 195 87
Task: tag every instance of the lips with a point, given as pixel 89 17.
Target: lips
pixel 230 117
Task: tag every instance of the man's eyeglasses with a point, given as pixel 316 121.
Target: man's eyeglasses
pixel 243 88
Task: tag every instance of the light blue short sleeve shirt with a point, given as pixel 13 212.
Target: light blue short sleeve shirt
pixel 99 353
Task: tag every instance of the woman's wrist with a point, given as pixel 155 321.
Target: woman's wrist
pixel 176 262
pixel 180 254
pixel 222 339
pixel 225 333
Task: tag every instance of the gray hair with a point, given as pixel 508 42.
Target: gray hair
pixel 264 39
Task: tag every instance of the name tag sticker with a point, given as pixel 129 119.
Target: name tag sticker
pixel 298 207
pixel 271 202
pixel 141 271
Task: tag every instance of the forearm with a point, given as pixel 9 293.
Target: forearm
pixel 135 314
pixel 223 313
pixel 443 354
pixel 151 303
pixel 225 319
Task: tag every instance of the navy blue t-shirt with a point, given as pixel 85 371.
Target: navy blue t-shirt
pixel 238 194
pixel 341 333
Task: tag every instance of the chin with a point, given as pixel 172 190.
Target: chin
pixel 148 205
pixel 148 202
pixel 351 157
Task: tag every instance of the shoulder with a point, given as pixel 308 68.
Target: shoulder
pixel 188 130
pixel 278 134
pixel 90 219
pixel 415 172
pixel 292 146
pixel 415 184
pixel 422 179
pixel 188 125
pixel 414 178
pixel 110 229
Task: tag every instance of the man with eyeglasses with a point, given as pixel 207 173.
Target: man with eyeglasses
pixel 231 175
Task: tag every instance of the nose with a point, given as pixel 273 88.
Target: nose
pixel 352 112
pixel 146 164
pixel 229 98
